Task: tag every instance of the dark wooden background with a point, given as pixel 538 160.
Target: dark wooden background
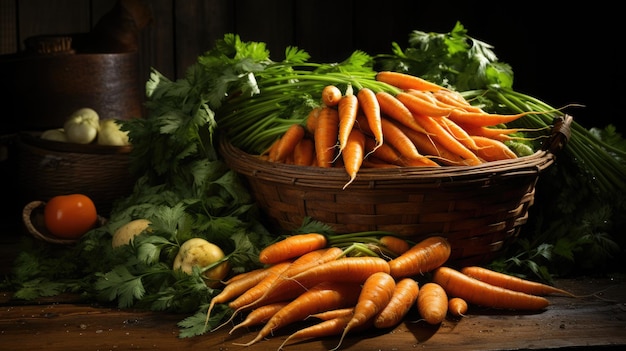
pixel 562 55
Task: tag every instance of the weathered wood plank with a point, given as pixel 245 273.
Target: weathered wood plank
pixel 585 323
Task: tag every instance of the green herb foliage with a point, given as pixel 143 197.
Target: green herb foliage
pixel 574 224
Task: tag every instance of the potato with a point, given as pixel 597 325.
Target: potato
pixel 201 253
pixel 124 234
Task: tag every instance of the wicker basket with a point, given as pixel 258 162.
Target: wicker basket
pixel 50 168
pixel 478 208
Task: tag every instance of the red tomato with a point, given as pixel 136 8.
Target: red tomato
pixel 70 216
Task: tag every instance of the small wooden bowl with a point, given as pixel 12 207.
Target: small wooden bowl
pixel 33 219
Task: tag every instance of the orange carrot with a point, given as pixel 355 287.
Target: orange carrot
pixel 304 152
pixel 398 139
pixel 511 282
pixel 292 246
pixel 244 275
pixel 457 307
pixel 322 297
pixel 328 327
pixel 259 315
pixel 492 150
pixel 347 108
pixel 384 152
pixel 288 142
pixel 354 269
pixel 426 145
pixel 501 134
pixel 457 132
pixel 273 149
pixel 331 95
pixel 423 257
pixel 370 107
pixel 474 291
pixel 392 107
pixel 422 106
pixel 484 118
pixel 453 98
pixel 237 287
pixel 331 314
pixel 375 295
pixel 406 81
pixel 353 154
pixel 440 134
pixel 326 135
pixel 403 298
pixel 256 291
pixel 395 244
pixel 311 120
pixel 432 303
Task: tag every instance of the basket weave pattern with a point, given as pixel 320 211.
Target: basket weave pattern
pixel 479 209
pixel 102 175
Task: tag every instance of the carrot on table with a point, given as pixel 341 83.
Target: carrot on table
pixel 371 109
pixel 353 154
pixel 457 307
pixel 474 291
pixel 291 247
pixel 350 269
pixel 331 95
pixel 326 134
pixel 406 81
pixel 347 108
pixel 327 327
pixel 321 297
pixel 331 314
pixel 259 315
pixel 375 295
pixel 423 257
pixel 512 282
pixel 393 108
pixel 432 303
pixel 402 300
pixel 287 143
pixel 256 291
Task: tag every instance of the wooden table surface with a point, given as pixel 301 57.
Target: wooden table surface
pixel 595 320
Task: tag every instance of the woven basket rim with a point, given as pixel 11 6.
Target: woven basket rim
pixel 336 178
pixel 32 138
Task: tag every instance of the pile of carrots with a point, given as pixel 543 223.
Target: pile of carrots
pixel 423 124
pixel 307 280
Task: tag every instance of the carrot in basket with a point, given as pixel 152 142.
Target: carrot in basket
pixel 484 118
pixel 291 247
pixel 423 257
pixel 371 109
pixel 326 134
pixel 259 315
pixel 353 154
pixel 392 107
pixel 492 150
pixel 440 134
pixel 511 282
pixel 384 152
pixel 426 145
pixel 422 106
pixel 457 132
pixel 311 120
pixel 304 152
pixel 375 295
pixel 406 81
pixel 432 303
pixel 457 307
pixel 402 300
pixel 474 291
pixel 287 143
pixel 321 297
pixel 502 134
pixel 331 95
pixel 347 109
pixel 454 99
pixel 398 139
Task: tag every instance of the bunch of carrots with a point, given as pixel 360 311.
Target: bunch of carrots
pixel 306 278
pixel 423 124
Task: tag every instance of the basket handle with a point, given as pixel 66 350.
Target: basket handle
pixel 560 134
